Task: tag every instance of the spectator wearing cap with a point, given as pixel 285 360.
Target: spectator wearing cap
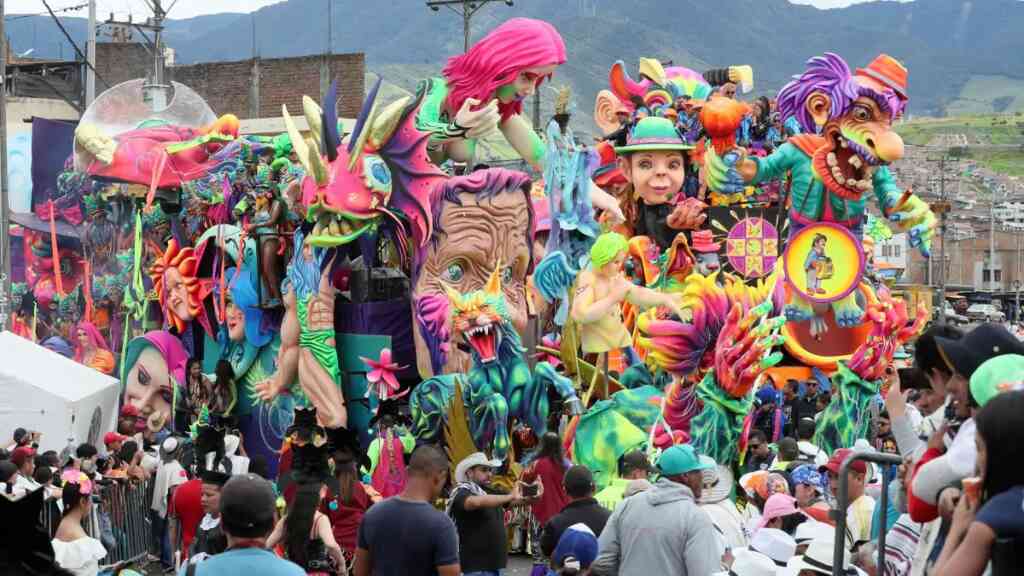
pixel 661 530
pixel 937 471
pixel 714 499
pixel 808 488
pixel 247 517
pixel 582 508
pixel 809 451
pixel 861 507
pixel 209 537
pixel 987 530
pixel 24 458
pixel 576 551
pixel 405 535
pixel 113 441
pixel 169 475
pixel 632 466
pixel 929 361
pixel 480 516
pixel 781 512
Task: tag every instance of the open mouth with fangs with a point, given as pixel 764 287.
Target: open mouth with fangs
pixel 845 167
pixel 484 340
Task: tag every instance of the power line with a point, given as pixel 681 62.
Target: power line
pixel 67 9
pixel 73 45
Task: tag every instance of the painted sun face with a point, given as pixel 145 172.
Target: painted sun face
pixel 177 294
pixel 656 176
pixel 525 83
pixel 149 387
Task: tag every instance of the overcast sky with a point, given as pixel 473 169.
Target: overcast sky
pixel 189 8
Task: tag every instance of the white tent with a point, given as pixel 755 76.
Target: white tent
pixel 43 391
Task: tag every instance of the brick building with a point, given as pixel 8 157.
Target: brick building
pixel 254 88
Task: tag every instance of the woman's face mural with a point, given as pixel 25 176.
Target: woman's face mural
pixel 150 388
pixel 472 235
pixel 235 320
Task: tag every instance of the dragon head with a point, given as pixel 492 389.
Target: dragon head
pixel 349 187
pixel 482 317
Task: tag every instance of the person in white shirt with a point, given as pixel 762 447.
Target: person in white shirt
pixel 808 451
pixel 24 458
pixel 169 475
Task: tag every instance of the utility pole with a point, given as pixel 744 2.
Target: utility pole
pixel 90 51
pixel 330 27
pixel 5 203
pixel 941 208
pixel 466 9
pixel 156 90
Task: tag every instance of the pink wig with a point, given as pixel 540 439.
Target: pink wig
pixel 95 338
pixel 498 58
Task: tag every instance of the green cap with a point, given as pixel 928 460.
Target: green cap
pixel 680 459
pixel 654 133
pixel 996 375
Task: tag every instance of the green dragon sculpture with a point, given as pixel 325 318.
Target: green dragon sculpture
pixel 499 386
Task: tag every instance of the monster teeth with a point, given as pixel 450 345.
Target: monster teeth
pixel 842 143
pixel 333 228
pixel 838 175
pixel 318 229
pixel 855 161
pixel 865 185
pixel 831 159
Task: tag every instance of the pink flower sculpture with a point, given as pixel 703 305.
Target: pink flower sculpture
pixel 382 375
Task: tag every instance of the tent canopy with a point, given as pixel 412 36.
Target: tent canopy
pixel 46 392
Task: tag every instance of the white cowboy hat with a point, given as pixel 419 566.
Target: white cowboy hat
pixel 472 461
pixel 819 559
pixel 749 563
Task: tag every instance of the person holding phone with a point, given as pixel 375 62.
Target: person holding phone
pixel 480 516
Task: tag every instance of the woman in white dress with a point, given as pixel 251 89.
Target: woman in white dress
pixel 73 549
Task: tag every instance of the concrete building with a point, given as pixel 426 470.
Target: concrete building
pixel 249 89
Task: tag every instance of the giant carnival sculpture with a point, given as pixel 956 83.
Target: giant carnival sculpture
pixel 209 259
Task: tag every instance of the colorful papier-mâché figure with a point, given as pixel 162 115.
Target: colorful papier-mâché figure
pixel 485 88
pixel 499 386
pixel 844 154
pixel 479 220
pixel 847 416
pixel 307 336
pixel 724 347
pixel 382 173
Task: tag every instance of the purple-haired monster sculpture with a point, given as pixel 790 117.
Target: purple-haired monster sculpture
pixel 845 153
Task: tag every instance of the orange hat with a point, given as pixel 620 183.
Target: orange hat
pixel 888 71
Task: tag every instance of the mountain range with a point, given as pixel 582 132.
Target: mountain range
pixel 963 56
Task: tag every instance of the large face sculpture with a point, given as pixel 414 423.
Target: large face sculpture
pixel 156 365
pixel 480 221
pixel 181 292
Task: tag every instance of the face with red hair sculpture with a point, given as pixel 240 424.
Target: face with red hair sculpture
pixel 509 64
pixel 181 292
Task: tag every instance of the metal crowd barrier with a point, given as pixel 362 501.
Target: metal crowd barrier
pixel 839 514
pixel 119 519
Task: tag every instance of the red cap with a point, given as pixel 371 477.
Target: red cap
pixel 129 410
pixel 111 437
pixel 837 459
pixel 21 454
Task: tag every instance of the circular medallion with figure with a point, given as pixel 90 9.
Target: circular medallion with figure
pixel 823 262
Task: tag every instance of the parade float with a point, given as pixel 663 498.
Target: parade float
pixel 352 278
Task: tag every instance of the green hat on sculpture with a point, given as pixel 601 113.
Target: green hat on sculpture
pixel 997 375
pixel 653 133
